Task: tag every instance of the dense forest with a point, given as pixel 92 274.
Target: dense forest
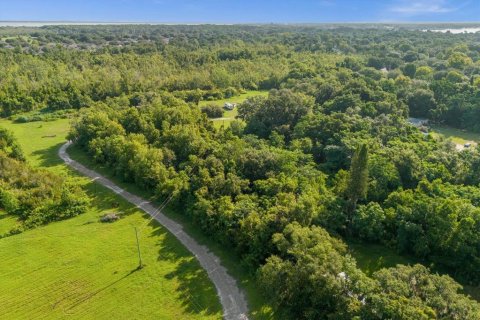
pixel 435 75
pixel 328 156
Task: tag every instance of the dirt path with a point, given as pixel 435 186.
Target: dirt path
pixel 232 299
pixel 222 119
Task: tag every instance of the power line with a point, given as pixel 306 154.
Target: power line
pixel 158 210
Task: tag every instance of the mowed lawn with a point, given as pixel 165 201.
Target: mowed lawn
pixel 373 257
pixel 229 115
pixel 83 269
pixel 458 136
pixel 7 222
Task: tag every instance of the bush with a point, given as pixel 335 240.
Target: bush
pixel 34 118
pixel 212 111
pixel 22 119
pixel 229 92
pixel 109 218
pixel 36 196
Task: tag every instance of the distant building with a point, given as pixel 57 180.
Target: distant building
pixel 229 106
pixel 418 122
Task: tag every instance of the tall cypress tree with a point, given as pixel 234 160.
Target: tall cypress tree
pixel 358 180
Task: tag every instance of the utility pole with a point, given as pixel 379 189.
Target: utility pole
pixel 140 265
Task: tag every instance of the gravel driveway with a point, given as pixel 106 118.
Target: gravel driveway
pixel 231 297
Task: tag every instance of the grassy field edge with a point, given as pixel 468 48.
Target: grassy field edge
pixel 258 307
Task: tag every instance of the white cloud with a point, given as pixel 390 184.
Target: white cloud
pixel 416 7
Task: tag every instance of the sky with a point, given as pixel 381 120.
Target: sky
pixel 241 11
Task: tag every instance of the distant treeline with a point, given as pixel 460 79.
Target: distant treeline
pixel 435 75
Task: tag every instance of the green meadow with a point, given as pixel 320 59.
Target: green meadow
pixel 83 269
pixel 458 136
pixel 229 115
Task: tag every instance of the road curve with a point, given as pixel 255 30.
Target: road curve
pixel 231 297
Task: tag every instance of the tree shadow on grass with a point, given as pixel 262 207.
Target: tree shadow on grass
pixel 4 215
pixel 104 199
pixel 195 290
pixel 49 157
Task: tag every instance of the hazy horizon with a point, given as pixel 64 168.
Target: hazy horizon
pixel 92 22
pixel 241 12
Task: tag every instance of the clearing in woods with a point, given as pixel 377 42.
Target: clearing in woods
pixel 229 115
pixel 458 136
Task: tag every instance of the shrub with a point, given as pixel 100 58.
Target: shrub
pixel 22 119
pixel 212 111
pixel 36 196
pixel 229 92
pixel 109 217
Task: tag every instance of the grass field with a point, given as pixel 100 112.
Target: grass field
pixel 373 257
pixel 7 222
pixel 230 115
pixel 83 269
pixel 458 136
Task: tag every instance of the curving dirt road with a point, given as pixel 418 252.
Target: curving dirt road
pixel 232 299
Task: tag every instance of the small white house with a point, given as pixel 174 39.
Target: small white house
pixel 418 122
pixel 229 106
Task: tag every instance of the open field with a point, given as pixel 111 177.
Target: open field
pixel 458 136
pixel 373 257
pixel 236 99
pixel 81 268
pixel 7 222
pixel 230 115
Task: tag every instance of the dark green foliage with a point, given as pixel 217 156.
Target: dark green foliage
pixel 213 111
pixel 9 145
pixel 37 197
pixel 280 112
pixel 312 276
pixel 358 176
pixel 410 70
pixel 437 221
pixel 215 62
pixel 421 103
pixel 242 190
pixel 370 222
pixel 412 292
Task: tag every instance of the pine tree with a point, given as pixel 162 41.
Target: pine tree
pixel 358 180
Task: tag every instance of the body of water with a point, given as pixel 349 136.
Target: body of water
pixel 455 30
